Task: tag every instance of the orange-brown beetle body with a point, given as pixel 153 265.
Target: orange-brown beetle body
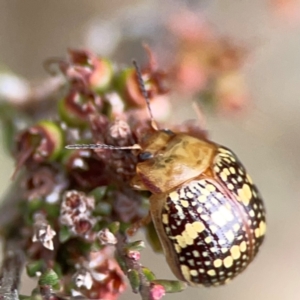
pixel 208 214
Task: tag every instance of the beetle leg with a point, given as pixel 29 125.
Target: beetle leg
pixel 138 224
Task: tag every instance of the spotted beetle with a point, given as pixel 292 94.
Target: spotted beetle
pixel 208 214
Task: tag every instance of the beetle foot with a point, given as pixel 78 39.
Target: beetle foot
pixel 138 224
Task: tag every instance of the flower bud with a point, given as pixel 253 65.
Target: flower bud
pixel 76 212
pixel 134 255
pixel 83 279
pixel 94 72
pixel 76 107
pixel 87 171
pixel 106 237
pixel 157 291
pixel 128 88
pixel 41 142
pixel 101 77
pixel 43 232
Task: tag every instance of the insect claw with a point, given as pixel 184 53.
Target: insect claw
pixel 137 225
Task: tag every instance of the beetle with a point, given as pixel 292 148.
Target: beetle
pixel 208 214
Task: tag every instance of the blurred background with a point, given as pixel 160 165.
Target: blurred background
pixel 261 126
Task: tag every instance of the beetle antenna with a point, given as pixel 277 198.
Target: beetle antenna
pixel 145 93
pixel 101 146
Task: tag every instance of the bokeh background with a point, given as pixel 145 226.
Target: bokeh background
pixel 265 136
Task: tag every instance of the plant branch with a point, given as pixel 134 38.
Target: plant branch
pixel 11 270
pixel 131 264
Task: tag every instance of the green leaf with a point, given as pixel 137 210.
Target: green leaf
pixel 171 286
pixel 98 193
pixel 49 278
pixel 33 267
pixel 134 280
pixel 135 246
pixel 148 274
pixel 64 234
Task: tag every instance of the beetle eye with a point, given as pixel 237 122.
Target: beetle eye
pixel 145 156
pixel 168 131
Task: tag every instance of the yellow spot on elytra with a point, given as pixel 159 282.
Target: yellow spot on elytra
pixel 228 262
pixel 236 227
pixel 245 194
pixel 202 198
pixel 227 280
pixel 191 262
pixel 189 195
pixel 181 241
pixel 165 219
pixel 189 228
pixel 191 232
pixel 243 246
pixel 222 150
pixel 211 187
pixel 204 253
pixel 185 270
pixel 232 170
pixel 198 226
pixel 205 191
pixel 204 217
pixel 251 213
pixel 218 263
pixel 257 232
pixel 189 240
pixel 226 171
pixel 193 272
pixel 229 235
pixel 179 209
pixel 235 252
pixel 224 250
pixel 174 196
pixel 262 228
pixel 199 209
pixel 230 186
pixel 211 272
pixel 223 176
pixel 196 253
pixel 249 178
pixel 184 203
pixel 177 248
pixel 208 239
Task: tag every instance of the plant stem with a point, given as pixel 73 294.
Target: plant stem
pixel 11 269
